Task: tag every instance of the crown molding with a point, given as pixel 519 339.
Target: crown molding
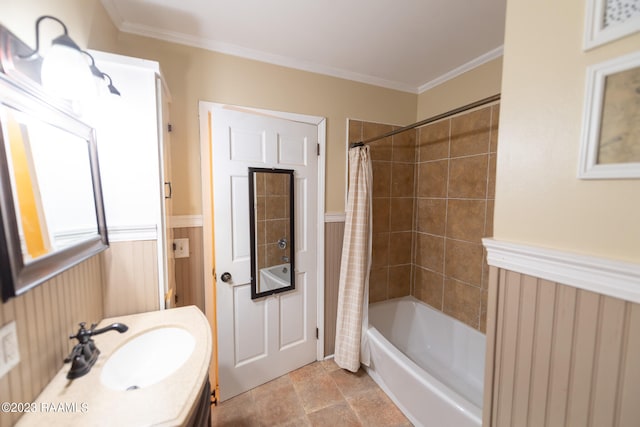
pixel 242 52
pixel 235 50
pixel 474 63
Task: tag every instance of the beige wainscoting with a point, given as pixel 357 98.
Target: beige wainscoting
pixel 45 317
pixel 333 234
pixel 190 270
pixel 559 355
pixel 131 278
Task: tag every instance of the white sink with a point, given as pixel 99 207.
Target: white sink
pixel 147 358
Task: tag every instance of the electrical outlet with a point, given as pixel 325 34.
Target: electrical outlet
pixel 181 248
pixel 9 350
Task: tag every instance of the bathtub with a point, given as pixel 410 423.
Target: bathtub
pixel 431 365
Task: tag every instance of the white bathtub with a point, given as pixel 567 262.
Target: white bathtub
pixel 431 365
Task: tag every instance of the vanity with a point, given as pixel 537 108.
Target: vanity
pixel 165 384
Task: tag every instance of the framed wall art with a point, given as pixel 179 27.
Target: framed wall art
pixel 608 20
pixel 610 146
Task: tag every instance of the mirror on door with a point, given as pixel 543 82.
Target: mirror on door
pixel 271 222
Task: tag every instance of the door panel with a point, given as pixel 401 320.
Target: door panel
pixel 249 326
pixel 302 215
pixel 247 146
pixel 240 245
pixel 293 317
pixel 291 151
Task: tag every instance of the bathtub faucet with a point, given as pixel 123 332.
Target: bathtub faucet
pixel 282 243
pixel 285 258
pixel 85 353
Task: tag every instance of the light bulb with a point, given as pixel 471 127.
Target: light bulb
pixel 66 74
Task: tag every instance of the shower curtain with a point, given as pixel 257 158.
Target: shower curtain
pixel 352 321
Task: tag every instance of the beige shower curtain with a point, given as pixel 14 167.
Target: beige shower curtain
pixel 353 294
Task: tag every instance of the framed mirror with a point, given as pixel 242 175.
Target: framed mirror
pixel 271 218
pixel 51 211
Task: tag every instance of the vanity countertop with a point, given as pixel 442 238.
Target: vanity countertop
pixel 170 402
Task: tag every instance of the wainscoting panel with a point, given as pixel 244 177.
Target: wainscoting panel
pixel 131 278
pixel 45 317
pixel 560 355
pixel 189 271
pixel 333 232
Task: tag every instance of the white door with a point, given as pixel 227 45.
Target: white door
pixel 262 339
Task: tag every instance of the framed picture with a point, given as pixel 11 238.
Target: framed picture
pixel 610 145
pixel 608 20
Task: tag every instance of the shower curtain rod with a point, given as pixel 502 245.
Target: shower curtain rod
pixel 427 121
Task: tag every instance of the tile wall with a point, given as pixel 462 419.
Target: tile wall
pixel 433 199
pixel 455 176
pixel 272 220
pixel 393 163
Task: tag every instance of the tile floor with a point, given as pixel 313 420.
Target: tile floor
pixel 319 394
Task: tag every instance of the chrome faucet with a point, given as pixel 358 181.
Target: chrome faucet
pixel 285 258
pixel 282 243
pixel 85 353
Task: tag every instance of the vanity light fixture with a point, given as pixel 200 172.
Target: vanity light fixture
pixel 64 67
pixel 100 75
pixel 64 70
pixel 111 87
pixel 94 69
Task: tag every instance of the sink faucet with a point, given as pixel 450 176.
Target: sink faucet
pixel 85 353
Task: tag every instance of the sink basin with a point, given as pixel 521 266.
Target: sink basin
pixel 147 358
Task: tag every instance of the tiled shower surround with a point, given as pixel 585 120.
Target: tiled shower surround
pixel 272 222
pixel 433 199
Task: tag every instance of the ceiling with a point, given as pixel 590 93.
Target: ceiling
pixel 408 45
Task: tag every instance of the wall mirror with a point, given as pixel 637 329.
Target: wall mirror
pixel 271 218
pixel 51 209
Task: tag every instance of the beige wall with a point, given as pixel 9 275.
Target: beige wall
pixel 194 74
pixel 539 200
pixel 481 82
pixel 86 20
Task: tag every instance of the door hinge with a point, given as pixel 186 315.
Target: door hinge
pixel 318 145
pixel 169 127
pixel 317 333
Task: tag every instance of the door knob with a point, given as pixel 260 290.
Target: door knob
pixel 226 277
